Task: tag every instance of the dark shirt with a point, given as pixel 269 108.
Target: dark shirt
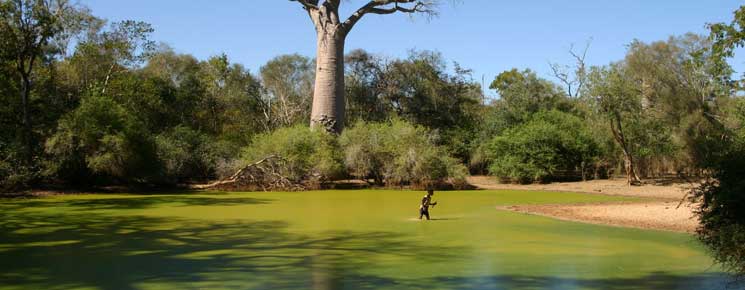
pixel 426 202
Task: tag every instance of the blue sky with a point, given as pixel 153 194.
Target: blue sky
pixel 488 36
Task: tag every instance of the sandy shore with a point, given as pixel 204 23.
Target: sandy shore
pixel 648 215
pixel 608 187
pixel 657 210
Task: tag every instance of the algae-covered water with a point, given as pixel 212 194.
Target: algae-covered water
pixel 333 240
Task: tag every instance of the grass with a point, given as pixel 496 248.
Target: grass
pixel 363 239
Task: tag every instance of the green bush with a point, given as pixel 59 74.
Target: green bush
pixel 721 200
pixel 540 149
pixel 14 174
pixel 365 150
pixel 399 153
pixel 101 137
pixel 185 154
pixel 310 155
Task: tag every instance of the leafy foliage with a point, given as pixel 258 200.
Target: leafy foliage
pixel 419 89
pixel 538 150
pixel 399 153
pixel 652 101
pixel 522 95
pixel 288 80
pixel 187 154
pixel 104 138
pixel 309 154
pixel 722 203
pixel 721 209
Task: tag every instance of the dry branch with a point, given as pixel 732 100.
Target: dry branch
pixel 263 175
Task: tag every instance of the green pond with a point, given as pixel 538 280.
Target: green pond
pixel 363 239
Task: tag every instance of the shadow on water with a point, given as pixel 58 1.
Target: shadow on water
pixel 125 203
pixel 78 250
pixel 40 250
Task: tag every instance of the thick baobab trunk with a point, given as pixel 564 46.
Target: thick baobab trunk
pixel 328 96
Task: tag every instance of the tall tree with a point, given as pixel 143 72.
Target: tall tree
pixel 364 80
pixel 617 96
pixel 328 97
pixel 107 52
pixel 32 30
pixel 288 80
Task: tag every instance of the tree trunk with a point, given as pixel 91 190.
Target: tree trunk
pixel 328 96
pixel 628 158
pixel 631 176
pixel 27 129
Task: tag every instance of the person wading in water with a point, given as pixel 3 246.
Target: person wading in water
pixel 426 202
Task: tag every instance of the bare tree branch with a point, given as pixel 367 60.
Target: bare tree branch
pixel 384 7
pixel 581 68
pixel 575 80
pixel 307 4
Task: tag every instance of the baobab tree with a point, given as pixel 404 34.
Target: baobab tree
pixel 332 30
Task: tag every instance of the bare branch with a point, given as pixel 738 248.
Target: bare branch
pixel 307 4
pixel 561 73
pixel 581 68
pixel 390 7
pixel 574 81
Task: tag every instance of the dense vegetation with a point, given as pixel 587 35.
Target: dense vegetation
pixel 540 149
pixel 118 108
pixel 398 153
pixel 721 198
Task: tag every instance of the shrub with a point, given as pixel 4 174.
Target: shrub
pixel 103 138
pixel 398 153
pixel 721 200
pixel 366 151
pixel 310 155
pixel 14 175
pixel 185 153
pixel 540 149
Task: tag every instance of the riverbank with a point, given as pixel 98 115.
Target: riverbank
pixel 660 207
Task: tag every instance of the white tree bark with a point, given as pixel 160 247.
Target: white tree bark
pixel 328 97
pixel 328 109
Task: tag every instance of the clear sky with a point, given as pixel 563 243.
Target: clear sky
pixel 488 36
